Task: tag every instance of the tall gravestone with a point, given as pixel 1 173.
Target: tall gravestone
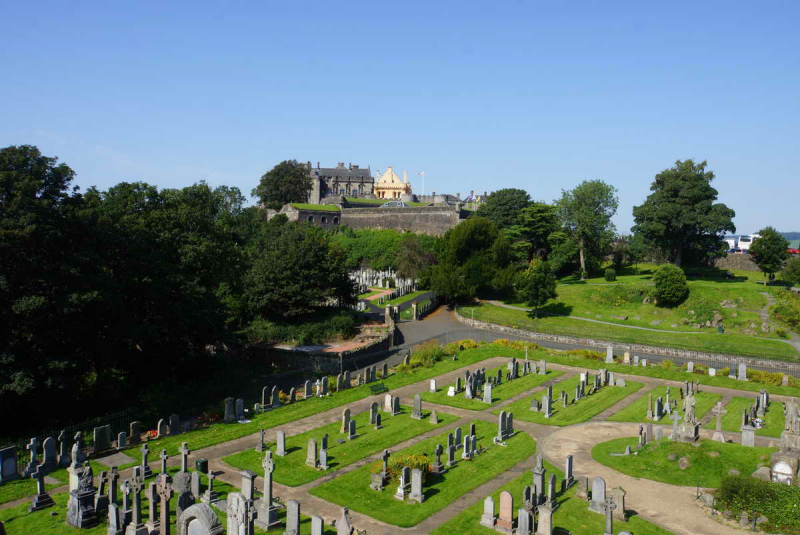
pixel 597 503
pixel 267 512
pixel 505 517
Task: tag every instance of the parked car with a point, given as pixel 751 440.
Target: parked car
pixel 394 204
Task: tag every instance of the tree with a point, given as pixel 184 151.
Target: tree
pixel 621 252
pixel 537 285
pixel 671 288
pixel 586 213
pixel 681 215
pixel 415 255
pixel 770 251
pixel 471 255
pixel 529 236
pixel 287 182
pixel 503 206
pixel 791 271
pixel 295 270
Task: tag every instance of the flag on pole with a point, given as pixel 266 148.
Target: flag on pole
pixel 421 173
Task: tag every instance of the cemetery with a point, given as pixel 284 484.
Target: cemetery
pixel 648 408
pixel 465 473
pixel 406 465
pixel 501 386
pixel 557 404
pixel 293 469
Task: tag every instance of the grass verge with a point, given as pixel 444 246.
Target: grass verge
pixel 708 463
pixel 352 489
pixel 291 470
pixel 732 420
pixel 637 411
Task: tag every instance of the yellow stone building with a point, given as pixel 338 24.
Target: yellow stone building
pixel 389 186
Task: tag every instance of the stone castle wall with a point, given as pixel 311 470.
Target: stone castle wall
pixel 433 220
pixel 737 261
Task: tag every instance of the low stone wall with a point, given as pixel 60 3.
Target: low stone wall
pixel 718 360
pixel 433 220
pixel 737 261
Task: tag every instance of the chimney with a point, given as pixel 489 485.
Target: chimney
pixel 340 165
pixel 317 165
pixel 405 177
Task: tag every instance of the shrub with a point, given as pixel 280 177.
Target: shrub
pixel 667 365
pixel 776 501
pixel 427 354
pixel 724 372
pixel 787 309
pixel 516 344
pixel 781 333
pixel 403 368
pixel 586 354
pixel 466 343
pixel 398 462
pixel 671 288
pixel 767 378
pixel 611 274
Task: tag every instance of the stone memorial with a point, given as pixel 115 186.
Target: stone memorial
pixel 145 466
pixel 242 515
pixel 41 500
pixel 80 506
pixel 165 493
pixel 416 494
pixel 352 430
pixel 199 519
pixel 280 442
pixel 230 413
pixel 597 502
pixel 505 517
pixel 345 421
pixel 416 413
pixel 742 376
pixel 311 454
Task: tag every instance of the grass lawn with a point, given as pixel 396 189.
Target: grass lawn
pixel 403 299
pixel 732 420
pixel 637 411
pixel 369 293
pixel 221 432
pixel 573 413
pixel 570 517
pixel 352 489
pixel 407 313
pixel 291 470
pixel 18 521
pixel 505 390
pixel 316 207
pixel 708 463
pixel 733 344
pixel 379 202
pixel 672 374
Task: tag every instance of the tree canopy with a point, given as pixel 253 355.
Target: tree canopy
pixel 770 251
pixel 586 213
pixel 536 285
pixel 287 182
pixel 681 216
pixel 503 206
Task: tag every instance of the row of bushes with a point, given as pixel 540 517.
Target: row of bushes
pixel 397 462
pixel 775 501
pixel 787 309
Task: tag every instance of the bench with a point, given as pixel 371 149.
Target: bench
pixel 379 388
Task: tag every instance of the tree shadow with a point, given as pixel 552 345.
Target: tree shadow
pixel 554 308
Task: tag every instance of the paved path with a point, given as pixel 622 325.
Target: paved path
pixel 671 507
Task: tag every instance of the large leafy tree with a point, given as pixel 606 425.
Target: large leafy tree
pixel 287 182
pixel 472 258
pixel 529 236
pixel 503 206
pixel 770 251
pixel 586 213
pixel 294 269
pixel 681 216
pixel 536 285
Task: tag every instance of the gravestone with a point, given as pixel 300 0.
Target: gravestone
pixel 609 355
pixel 162 428
pixel 597 502
pixel 416 413
pixel 344 524
pixel 742 376
pixel 569 479
pixel 434 419
pixel 80 507
pixel 174 424
pixel 145 466
pixel 534 405
pixel 505 517
pixel 41 500
pixel 241 515
pixel 64 445
pixel 402 487
pixel 378 421
pixel 487 394
pixel 239 409
pixel 748 436
pixel 373 413
pixel 387 403
pixel 396 406
pixel 210 496
pixel 275 396
pixel 317 525
pixel 352 431
pixel 451 455
pixel 690 367
pixel 542 367
pixel 438 467
pixel 230 413
pixel 267 512
pixel 102 438
pixel 122 440
pixel 280 442
pixel 487 518
pixel 307 393
pixel 323 458
pixel 345 421
pixel 248 484
pixel 49 460
pixel 712 372
pixel 311 454
pixel 416 494
pixel 265 399
pixel 546 407
pixel 199 519
pixel 524 522
pixel 165 493
pixel 432 386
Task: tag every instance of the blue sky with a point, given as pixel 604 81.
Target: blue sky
pixel 479 95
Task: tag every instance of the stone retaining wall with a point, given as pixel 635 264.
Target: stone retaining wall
pixel 737 261
pixel 719 359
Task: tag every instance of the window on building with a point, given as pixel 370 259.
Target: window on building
pixel 324 220
pixel 311 219
pixel 335 220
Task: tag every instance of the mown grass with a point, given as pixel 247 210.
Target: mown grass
pixel 708 463
pixel 504 391
pixel 571 516
pixel 52 521
pixel 20 488
pixel 732 420
pixel 575 412
pixel 637 411
pixel 291 470
pixel 369 293
pixel 732 344
pixel 221 432
pixel 315 207
pixel 352 489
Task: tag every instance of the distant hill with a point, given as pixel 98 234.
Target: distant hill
pixel 791 235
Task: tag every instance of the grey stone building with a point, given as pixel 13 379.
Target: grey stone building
pixel 350 181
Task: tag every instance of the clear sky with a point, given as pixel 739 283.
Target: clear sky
pixel 479 95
